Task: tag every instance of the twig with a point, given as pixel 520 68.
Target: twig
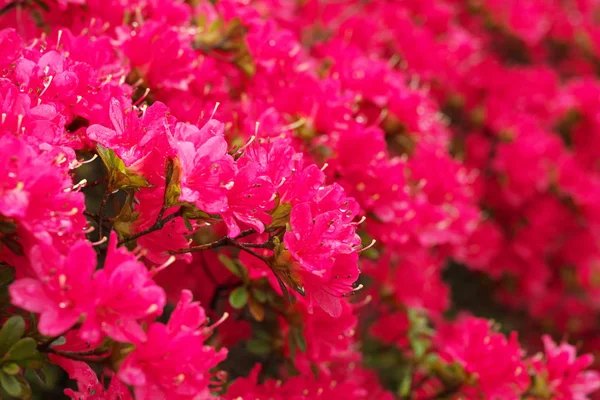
pixel 226 241
pixel 100 216
pixel 158 225
pixel 82 356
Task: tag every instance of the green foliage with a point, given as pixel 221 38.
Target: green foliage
pixel 17 353
pixel 119 176
pixel 238 298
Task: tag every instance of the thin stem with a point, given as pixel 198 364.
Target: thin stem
pixel 100 215
pixel 158 225
pixel 248 250
pixel 226 241
pixel 265 245
pixel 81 356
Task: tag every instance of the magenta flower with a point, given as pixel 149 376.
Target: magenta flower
pixel 60 289
pixel 174 362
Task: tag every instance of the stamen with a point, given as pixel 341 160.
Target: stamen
pixel 220 321
pixel 362 219
pixel 99 242
pixel 60 33
pixel 77 186
pixel 156 270
pixel 19 122
pixel 152 309
pixel 353 291
pixel 47 85
pixel 143 97
pixel 241 149
pixel 369 246
pixel 324 167
pixel 215 110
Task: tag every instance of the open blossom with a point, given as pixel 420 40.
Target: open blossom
pixel 207 169
pixel 563 373
pixel 88 385
pixel 494 360
pixel 245 140
pixel 173 362
pixel 248 201
pixel 60 289
pixel 324 248
pixel 132 137
pixel 111 301
pixel 123 294
pixel 35 195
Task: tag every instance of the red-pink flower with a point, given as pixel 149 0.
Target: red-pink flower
pixel 207 169
pixel 564 373
pixel 88 385
pixel 174 362
pixel 122 294
pixel 248 201
pixel 495 361
pixel 60 289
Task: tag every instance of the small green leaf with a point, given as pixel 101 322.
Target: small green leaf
pixel 233 267
pixel 299 339
pixel 11 385
pixel 25 353
pixel 173 183
pixel 119 176
pixel 7 274
pixel 7 227
pixel 187 223
pixel 11 331
pixel 59 341
pixel 406 383
pixel 10 368
pixel 238 297
pixel 281 215
pixel 259 295
pixel 258 347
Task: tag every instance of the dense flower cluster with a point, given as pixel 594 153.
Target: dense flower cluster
pixel 353 191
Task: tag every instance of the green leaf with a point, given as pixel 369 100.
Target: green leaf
pixel 233 267
pixel 11 331
pixel 238 297
pixel 173 183
pixel 7 274
pixel 10 368
pixel 11 385
pixel 259 347
pixel 119 176
pixel 187 223
pixel 25 353
pixel 259 295
pixel 299 339
pixel 7 227
pixel 281 215
pixel 406 383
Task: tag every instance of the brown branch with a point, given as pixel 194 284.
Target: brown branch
pixel 226 241
pixel 158 225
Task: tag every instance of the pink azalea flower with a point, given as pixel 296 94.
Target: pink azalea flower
pixel 248 201
pixel 494 360
pixel 123 294
pixel 60 289
pixel 88 385
pixel 207 169
pixel 565 373
pixel 173 363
